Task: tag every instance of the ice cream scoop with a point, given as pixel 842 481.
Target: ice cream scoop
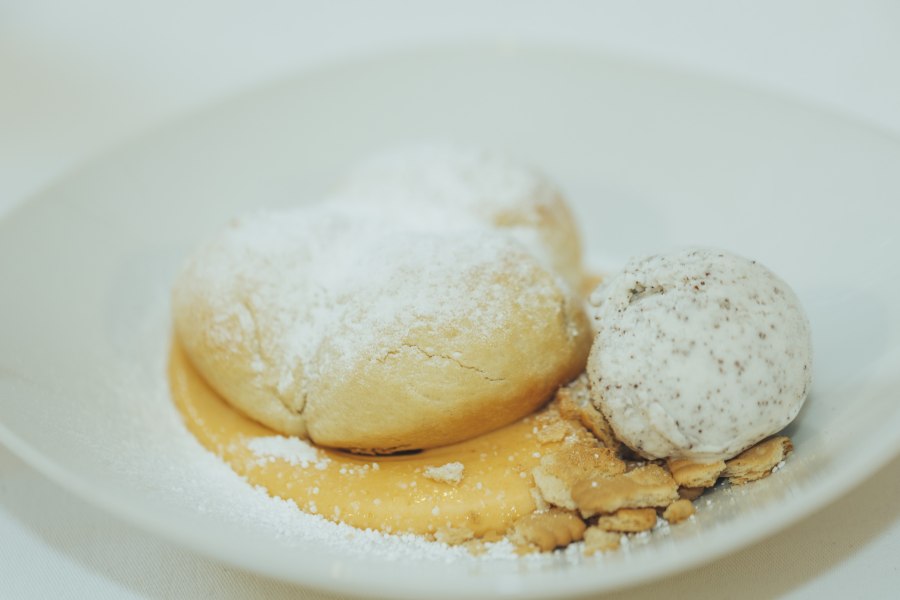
pixel 699 354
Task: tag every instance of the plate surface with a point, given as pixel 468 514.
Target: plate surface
pixel 650 159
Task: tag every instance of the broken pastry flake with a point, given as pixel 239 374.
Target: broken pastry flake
pixel 554 432
pixel 574 403
pixel 629 520
pixel 678 511
pixel 550 426
pixel 693 474
pixel 758 461
pixel 545 531
pixel 575 460
pixel 690 493
pixel 647 486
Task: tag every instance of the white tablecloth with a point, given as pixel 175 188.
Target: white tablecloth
pixel 77 77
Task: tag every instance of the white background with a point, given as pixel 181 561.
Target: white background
pixel 78 77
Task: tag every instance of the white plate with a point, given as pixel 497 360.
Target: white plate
pixel 650 158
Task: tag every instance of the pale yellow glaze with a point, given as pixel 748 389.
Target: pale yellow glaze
pixel 386 493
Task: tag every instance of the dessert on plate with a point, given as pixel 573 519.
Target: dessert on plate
pixel 415 354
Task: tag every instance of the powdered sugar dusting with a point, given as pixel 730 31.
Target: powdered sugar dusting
pixel 425 182
pixel 284 284
pixel 291 449
pixel 223 494
pixel 328 283
pixel 424 281
pixel 181 474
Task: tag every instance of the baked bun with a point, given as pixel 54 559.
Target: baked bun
pixel 486 186
pixel 466 335
pixel 364 334
pixel 243 310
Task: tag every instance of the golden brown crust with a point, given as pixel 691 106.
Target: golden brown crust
pixel 678 511
pixel 688 473
pixel 629 520
pixel 689 493
pixel 575 404
pixel 550 433
pixel 575 460
pixel 545 531
pixel 758 461
pixel 229 370
pixel 646 486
